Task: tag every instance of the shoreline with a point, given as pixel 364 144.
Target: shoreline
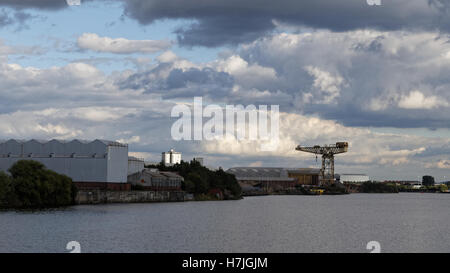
pixel 102 197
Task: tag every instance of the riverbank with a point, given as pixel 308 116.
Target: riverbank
pixel 85 197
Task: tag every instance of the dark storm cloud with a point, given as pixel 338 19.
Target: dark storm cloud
pixel 236 21
pixel 179 78
pixel 41 4
pixel 367 78
pixel 212 32
pixel 12 11
pixel 221 22
pixel 181 83
pixel 20 17
pixel 356 116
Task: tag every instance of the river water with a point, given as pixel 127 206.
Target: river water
pixel 405 222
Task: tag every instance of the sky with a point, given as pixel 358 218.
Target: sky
pixel 377 77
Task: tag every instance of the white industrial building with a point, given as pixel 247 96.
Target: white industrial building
pixel 135 165
pixel 84 161
pixel 171 157
pixel 354 178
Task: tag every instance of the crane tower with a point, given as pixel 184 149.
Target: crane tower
pixel 327 152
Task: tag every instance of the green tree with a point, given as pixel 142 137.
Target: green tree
pixel 201 185
pixel 199 179
pixel 5 189
pixel 189 186
pixel 36 187
pixel 428 180
pixel 374 187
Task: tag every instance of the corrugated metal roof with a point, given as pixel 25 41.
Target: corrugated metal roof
pixel 105 142
pixel 268 173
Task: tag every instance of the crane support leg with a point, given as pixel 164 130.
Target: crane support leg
pixel 327 171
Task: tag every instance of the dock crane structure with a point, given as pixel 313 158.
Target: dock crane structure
pixel 328 151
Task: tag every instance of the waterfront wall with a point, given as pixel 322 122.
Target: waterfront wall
pixel 104 197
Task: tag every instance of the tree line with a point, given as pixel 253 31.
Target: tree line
pixel 30 184
pixel 200 180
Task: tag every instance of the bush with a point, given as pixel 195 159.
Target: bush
pixel 188 186
pixel 201 185
pixel 373 187
pixel 335 188
pixel 31 185
pixel 199 180
pixel 137 187
pixel 5 189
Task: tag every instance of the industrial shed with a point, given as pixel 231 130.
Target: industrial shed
pixel 354 178
pixel 274 178
pixel 96 164
pixel 152 179
pixel 305 176
pixel 135 165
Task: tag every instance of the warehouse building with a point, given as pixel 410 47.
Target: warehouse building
pixel 152 179
pixel 274 179
pixel 135 165
pixel 305 176
pixel 98 164
pixel 354 178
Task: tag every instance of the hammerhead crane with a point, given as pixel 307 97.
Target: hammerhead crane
pixel 327 152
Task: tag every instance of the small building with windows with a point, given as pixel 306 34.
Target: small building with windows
pixel 171 158
pixel 354 178
pixel 152 179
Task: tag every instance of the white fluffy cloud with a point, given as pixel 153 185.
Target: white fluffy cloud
pixel 80 101
pixel 246 75
pixel 417 100
pixel 361 78
pixel 327 87
pixel 366 147
pixel 441 164
pixel 94 42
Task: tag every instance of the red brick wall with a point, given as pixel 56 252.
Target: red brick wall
pixel 163 188
pixel 103 186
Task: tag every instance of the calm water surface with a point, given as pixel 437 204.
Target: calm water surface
pixel 406 222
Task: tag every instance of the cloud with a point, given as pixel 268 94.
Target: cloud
pixel 10 18
pixel 326 86
pixel 24 50
pixel 41 4
pixel 173 77
pixel 79 101
pixel 245 74
pixel 417 100
pixel 441 164
pixel 94 42
pixel 130 140
pixel 365 74
pixel 367 149
pixel 364 79
pixel 234 21
pixel 215 23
